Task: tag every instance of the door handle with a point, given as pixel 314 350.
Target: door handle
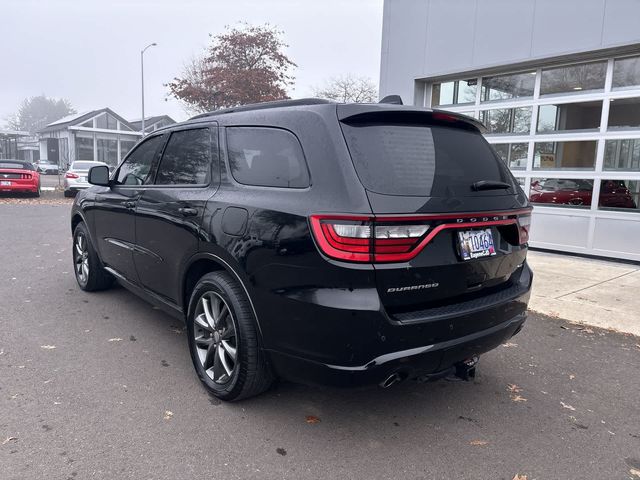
pixel 188 211
pixel 130 205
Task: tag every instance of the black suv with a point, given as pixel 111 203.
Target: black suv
pixel 335 244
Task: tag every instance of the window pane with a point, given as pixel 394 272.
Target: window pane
pixel 84 148
pixel 514 155
pixel 106 121
pixel 125 147
pixel 622 154
pixel 186 159
pixel 507 120
pixel 624 113
pixel 573 78
pixel 579 155
pixel 569 116
pixel 108 151
pixel 421 160
pixel 135 170
pixel 626 72
pixel 266 157
pixel 503 87
pixel 619 195
pixel 88 124
pixel 561 191
pixel 455 92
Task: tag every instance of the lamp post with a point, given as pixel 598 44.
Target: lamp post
pixel 142 78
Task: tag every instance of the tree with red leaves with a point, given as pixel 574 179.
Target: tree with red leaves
pixel 245 64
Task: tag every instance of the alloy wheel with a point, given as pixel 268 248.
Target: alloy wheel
pixel 215 337
pixel 81 258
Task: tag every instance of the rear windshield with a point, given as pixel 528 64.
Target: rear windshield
pixel 84 165
pixel 423 160
pixel 17 165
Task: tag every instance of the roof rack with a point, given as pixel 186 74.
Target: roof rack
pixel 264 105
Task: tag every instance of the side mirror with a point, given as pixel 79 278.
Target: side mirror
pixel 99 175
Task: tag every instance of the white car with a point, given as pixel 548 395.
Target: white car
pixel 76 177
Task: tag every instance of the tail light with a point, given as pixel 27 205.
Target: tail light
pixel 376 239
pixel 71 175
pixel 524 224
pixel 25 176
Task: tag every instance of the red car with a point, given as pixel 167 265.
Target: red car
pixel 17 176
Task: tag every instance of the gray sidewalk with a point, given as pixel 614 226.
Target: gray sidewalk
pixel 593 292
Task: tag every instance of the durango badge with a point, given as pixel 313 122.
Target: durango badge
pixel 412 287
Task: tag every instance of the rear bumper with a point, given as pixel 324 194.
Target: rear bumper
pixel 434 360
pixel 342 346
pixel 19 188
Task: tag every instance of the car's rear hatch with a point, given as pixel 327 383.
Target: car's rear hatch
pixel 449 222
pixel 15 178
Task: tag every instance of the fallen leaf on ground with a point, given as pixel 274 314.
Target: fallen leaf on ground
pixel 116 339
pixel 564 327
pixel 168 415
pixel 637 345
pixel 478 443
pixel 513 388
pixel 518 398
pixel 568 407
pixel 571 377
pixel 587 330
pixel 47 347
pixel 312 419
pixel 509 344
pixel 519 477
pixel 634 472
pixel 9 439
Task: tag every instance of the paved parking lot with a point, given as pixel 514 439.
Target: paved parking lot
pixel 101 386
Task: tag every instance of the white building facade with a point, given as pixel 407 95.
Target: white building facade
pixel 100 135
pixel 557 83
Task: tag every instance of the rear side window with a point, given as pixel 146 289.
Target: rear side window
pixel 267 157
pixel 186 159
pixel 422 160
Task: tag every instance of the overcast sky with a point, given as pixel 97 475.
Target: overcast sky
pixel 89 50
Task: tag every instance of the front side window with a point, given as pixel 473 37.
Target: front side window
pixel 186 159
pixel 573 78
pixel 267 157
pixel 136 168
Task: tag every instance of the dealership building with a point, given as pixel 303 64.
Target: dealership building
pixel 557 83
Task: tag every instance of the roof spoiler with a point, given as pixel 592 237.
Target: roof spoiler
pixel 392 99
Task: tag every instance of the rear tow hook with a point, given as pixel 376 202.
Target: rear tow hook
pixel 466 370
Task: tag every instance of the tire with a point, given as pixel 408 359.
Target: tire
pixel 250 373
pixel 87 267
pixel 36 194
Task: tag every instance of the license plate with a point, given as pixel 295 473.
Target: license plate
pixel 476 244
pixel 5 184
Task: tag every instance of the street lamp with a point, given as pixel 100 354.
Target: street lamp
pixel 142 77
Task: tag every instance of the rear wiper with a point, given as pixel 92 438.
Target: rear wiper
pixel 489 185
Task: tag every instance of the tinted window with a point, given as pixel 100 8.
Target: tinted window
pixel 186 159
pixel 422 160
pixel 267 157
pixel 17 165
pixel 135 169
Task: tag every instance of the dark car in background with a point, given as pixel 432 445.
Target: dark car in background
pixel 324 243
pixel 47 168
pixel 18 176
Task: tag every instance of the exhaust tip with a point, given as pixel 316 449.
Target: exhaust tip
pixel 391 380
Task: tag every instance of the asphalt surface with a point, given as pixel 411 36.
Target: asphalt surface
pixel 101 386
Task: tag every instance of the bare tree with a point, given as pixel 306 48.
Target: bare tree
pixel 348 88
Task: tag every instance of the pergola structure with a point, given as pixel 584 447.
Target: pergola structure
pixel 9 142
